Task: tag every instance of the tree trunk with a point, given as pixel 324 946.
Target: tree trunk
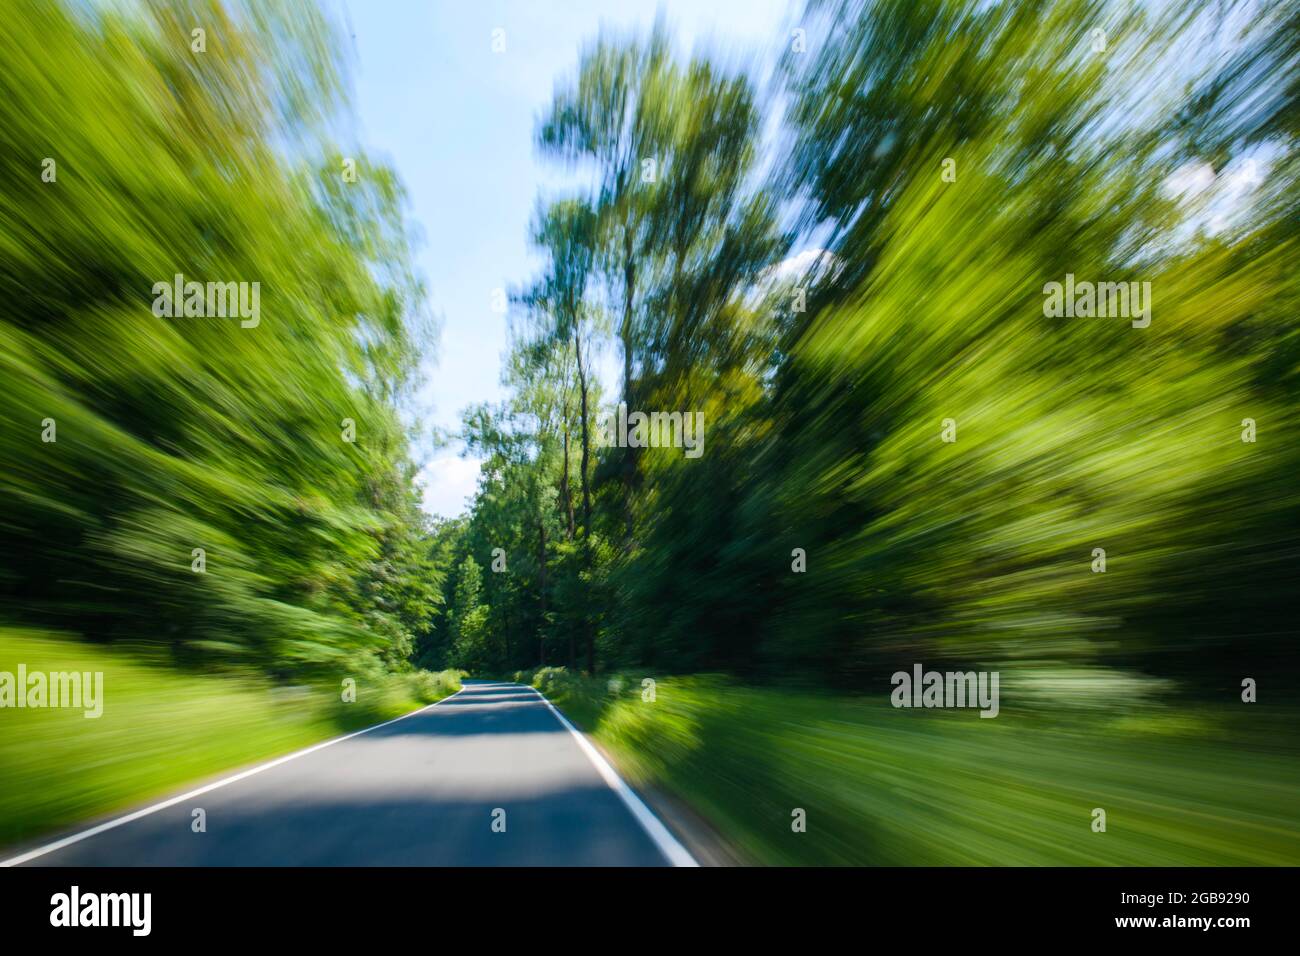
pixel 625 333
pixel 541 555
pixel 586 448
pixel 565 496
pixel 586 514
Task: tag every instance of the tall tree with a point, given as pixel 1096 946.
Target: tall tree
pixel 615 115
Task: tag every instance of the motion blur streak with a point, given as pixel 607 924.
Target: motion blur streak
pixel 909 459
pixel 128 441
pixel 844 268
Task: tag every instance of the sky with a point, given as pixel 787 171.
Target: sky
pixel 456 121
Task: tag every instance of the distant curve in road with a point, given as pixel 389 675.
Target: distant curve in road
pixel 423 790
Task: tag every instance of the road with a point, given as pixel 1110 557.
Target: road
pixel 423 790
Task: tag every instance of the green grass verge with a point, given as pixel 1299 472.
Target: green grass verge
pixel 162 729
pixel 929 787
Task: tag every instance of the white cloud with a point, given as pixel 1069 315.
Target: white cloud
pixel 1216 202
pixel 447 482
pixel 1191 178
pixel 810 260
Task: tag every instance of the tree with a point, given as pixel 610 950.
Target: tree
pixel 237 490
pixel 614 116
pixel 469 619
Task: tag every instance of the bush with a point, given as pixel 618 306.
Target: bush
pixel 430 686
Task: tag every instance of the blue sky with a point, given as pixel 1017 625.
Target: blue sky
pixel 456 121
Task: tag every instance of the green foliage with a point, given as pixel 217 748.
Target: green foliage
pixel 914 788
pixel 198 433
pixel 427 686
pixel 825 419
pixel 468 619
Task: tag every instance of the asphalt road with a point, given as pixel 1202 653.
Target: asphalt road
pixel 418 791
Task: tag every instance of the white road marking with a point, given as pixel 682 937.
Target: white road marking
pixel 119 821
pixel 668 845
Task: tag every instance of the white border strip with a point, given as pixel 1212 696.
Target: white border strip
pixel 668 845
pixel 119 821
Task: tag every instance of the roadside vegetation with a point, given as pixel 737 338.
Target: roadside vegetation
pixel 882 787
pixel 161 730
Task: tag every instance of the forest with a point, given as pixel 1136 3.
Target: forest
pixel 873 438
pixel 912 451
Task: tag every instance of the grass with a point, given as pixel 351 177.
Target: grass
pixel 881 786
pixel 161 729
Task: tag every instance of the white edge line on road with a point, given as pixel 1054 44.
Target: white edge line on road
pixel 668 844
pixel 119 821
